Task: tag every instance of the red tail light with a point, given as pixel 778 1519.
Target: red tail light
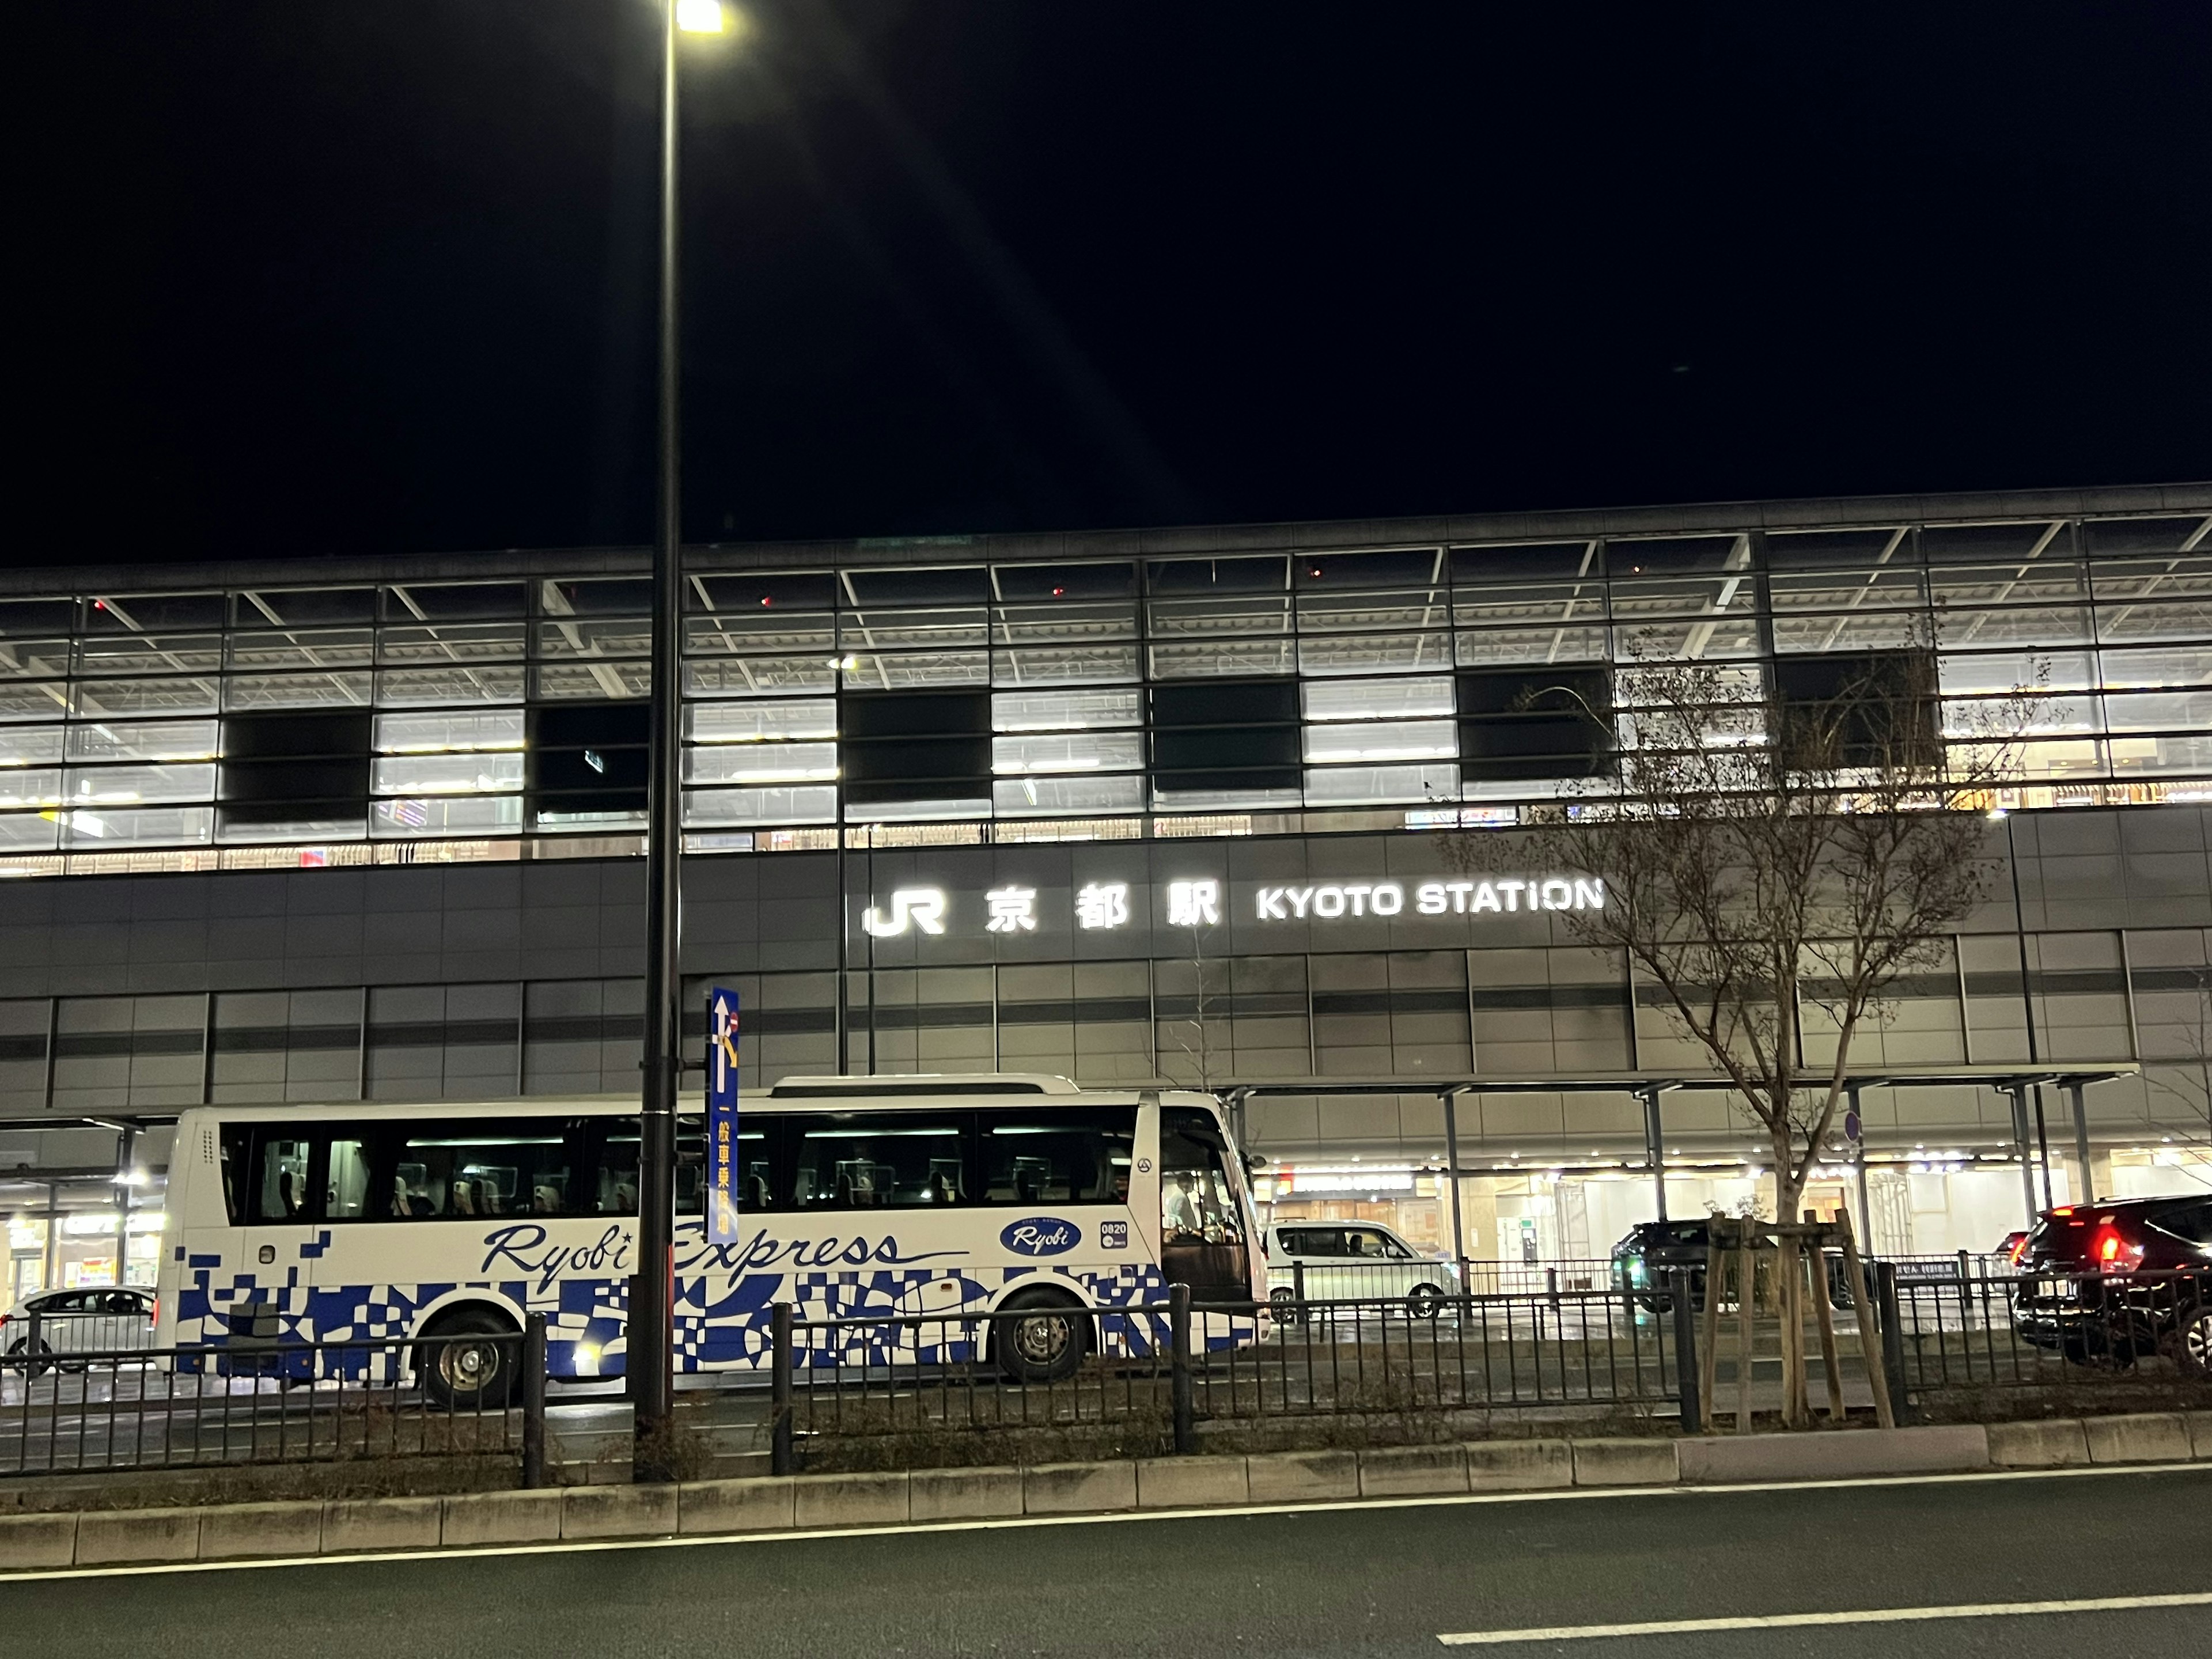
pixel 2112 1252
pixel 2018 1254
pixel 157 1311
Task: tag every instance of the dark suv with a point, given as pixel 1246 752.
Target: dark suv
pixel 1653 1250
pixel 2107 1283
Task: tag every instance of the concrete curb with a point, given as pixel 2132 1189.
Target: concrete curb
pixel 771 1504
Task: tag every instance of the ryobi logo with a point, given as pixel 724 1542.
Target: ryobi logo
pixel 1041 1235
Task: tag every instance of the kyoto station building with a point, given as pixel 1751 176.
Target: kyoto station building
pixel 1171 806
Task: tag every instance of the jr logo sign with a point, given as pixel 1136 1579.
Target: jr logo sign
pixel 1041 1235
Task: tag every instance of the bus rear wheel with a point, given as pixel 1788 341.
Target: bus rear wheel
pixel 1043 1339
pixel 459 1374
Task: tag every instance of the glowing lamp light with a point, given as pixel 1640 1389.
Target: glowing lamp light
pixel 701 16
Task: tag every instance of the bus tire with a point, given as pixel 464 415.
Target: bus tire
pixel 1047 1347
pixel 461 1375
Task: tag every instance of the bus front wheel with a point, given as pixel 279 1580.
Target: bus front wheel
pixel 466 1360
pixel 1043 1340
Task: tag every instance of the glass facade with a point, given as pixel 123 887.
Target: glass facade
pixel 1092 697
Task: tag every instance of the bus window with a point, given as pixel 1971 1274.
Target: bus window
pixel 614 1185
pixel 866 1161
pixel 237 1155
pixel 614 1176
pixel 280 1187
pixel 346 1197
pixel 1197 1204
pixel 459 1171
pixel 1057 1158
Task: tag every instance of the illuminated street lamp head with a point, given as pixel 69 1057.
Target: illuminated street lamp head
pixel 701 16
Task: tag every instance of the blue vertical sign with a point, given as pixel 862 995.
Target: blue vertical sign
pixel 721 1116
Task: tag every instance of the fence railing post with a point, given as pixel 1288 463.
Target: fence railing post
pixel 1186 1431
pixel 779 1359
pixel 533 1400
pixel 1687 1374
pixel 1893 1339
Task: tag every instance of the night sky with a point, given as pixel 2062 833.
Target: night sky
pixel 301 278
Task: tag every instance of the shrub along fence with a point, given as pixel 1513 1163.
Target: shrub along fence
pixel 1054 1370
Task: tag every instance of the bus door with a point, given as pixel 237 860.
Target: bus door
pixel 260 1295
pixel 1202 1233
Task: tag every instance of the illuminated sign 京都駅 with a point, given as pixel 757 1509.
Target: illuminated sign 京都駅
pixel 1104 906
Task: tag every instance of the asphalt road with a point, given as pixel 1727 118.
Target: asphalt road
pixel 1370 1581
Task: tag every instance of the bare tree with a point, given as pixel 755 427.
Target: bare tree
pixel 1761 856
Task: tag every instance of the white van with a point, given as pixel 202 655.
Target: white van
pixel 1342 1259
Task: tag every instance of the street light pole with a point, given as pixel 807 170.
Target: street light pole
pixel 650 1326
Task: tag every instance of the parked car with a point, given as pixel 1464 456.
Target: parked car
pixel 1652 1252
pixel 2109 1283
pixel 1344 1260
pixel 99 1320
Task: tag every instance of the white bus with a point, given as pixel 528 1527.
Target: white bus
pixel 859 1195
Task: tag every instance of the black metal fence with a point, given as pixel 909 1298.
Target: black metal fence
pixel 1180 1367
pixel 79 1410
pixel 1970 1330
pixel 1411 1361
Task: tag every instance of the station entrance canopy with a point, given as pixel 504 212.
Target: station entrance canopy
pixel 1651 1087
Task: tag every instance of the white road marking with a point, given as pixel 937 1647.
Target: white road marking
pixel 1116 1517
pixel 1796 1620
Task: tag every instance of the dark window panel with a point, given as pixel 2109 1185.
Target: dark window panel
pixel 615 596
pixel 1025 583
pixel 805 590
pixel 589 756
pixel 21 619
pixel 1855 704
pixel 292 767
pixel 1246 730
pixel 1225 702
pixel 316 735
pixel 918 768
pixel 969 585
pixel 1472 567
pixel 146 613
pixel 1405 568
pixel 1266 575
pixel 304 607
pixel 867 714
pixel 1951 543
pixel 1536 723
pixel 1669 555
pixel 2144 535
pixel 455 601
pixel 1829 549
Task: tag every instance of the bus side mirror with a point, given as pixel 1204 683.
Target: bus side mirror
pixel 1253 1164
